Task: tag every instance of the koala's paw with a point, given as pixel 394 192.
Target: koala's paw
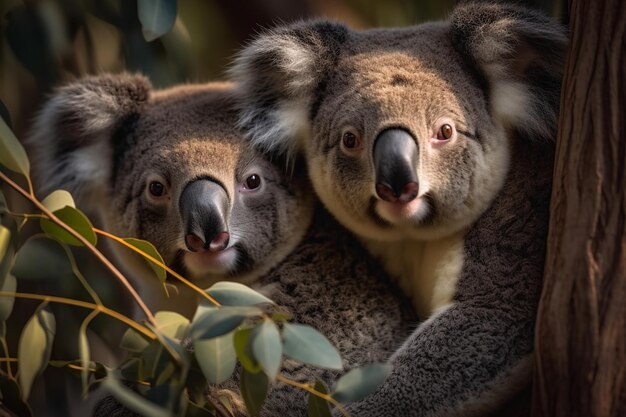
pixel 228 403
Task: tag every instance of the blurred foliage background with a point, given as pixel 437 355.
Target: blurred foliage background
pixel 44 43
pixel 47 42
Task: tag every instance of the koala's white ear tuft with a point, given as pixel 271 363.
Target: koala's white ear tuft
pixel 72 136
pixel 520 54
pixel 278 75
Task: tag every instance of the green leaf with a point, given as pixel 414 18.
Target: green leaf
pixel 133 341
pixel 318 407
pixel 216 357
pixel 254 387
pixel 5 240
pixel 157 17
pixel 9 284
pixel 243 348
pixel 133 401
pixel 149 248
pixel 11 397
pixel 360 382
pixel 74 219
pixel 34 348
pixel 219 321
pixel 172 324
pixel 305 344
pixel 12 153
pixel 267 347
pixel 41 258
pixel 235 294
pixel 57 200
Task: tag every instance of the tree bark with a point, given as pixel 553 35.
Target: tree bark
pixel 581 328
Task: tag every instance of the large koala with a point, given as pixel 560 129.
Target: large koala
pixel 433 144
pixel 171 167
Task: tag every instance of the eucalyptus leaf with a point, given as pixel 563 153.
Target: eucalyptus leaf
pixel 149 248
pixel 360 382
pixel 5 241
pixel 34 348
pixel 267 347
pixel 216 357
pixel 133 341
pixel 12 153
pixel 57 200
pixel 235 294
pixel 11 397
pixel 254 387
pixel 74 219
pixel 133 401
pixel 305 344
pixel 157 17
pixel 9 241
pixel 41 258
pixel 9 284
pixel 243 348
pixel 318 407
pixel 172 324
pixel 219 321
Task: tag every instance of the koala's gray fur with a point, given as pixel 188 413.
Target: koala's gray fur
pixel 468 248
pixel 109 134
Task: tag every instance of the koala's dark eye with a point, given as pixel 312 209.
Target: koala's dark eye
pixel 350 140
pixel 445 132
pixel 156 188
pixel 253 182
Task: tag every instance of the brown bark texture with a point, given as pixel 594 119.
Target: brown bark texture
pixel 581 328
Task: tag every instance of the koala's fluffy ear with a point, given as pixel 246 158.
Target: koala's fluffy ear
pixel 72 138
pixel 279 73
pixel 520 54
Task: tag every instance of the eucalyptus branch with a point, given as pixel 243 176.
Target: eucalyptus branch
pixel 84 304
pixel 159 263
pixel 313 391
pixel 87 244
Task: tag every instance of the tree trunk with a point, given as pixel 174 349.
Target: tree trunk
pixel 581 328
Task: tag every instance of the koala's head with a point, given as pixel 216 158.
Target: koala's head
pixel 406 132
pixel 170 167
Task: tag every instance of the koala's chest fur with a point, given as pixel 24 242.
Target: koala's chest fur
pixel 427 271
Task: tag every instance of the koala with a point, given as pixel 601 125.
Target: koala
pixel 152 164
pixel 434 145
pixel 171 167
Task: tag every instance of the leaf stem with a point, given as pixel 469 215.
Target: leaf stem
pixel 84 304
pixel 85 242
pixel 5 347
pixel 313 391
pixel 161 264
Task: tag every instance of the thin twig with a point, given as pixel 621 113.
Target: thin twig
pixel 84 304
pixel 161 264
pixel 313 391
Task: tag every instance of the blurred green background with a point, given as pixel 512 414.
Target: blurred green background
pixel 47 42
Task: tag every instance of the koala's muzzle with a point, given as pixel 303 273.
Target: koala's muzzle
pixel 204 209
pixel 395 161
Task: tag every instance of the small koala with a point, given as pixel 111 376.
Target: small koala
pixel 171 167
pixel 153 165
pixel 433 144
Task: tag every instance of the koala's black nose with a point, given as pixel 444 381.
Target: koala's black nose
pixel 204 211
pixel 395 162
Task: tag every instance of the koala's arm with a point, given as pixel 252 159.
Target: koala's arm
pixel 454 364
